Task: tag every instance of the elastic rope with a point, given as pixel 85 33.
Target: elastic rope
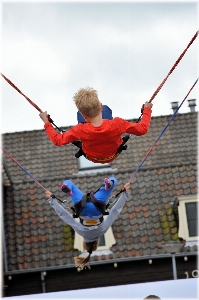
pixel 30 101
pixel 174 66
pixel 18 90
pixel 171 70
pixel 24 169
pixel 162 133
pixel 155 143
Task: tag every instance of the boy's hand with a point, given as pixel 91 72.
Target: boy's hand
pixel 127 186
pixel 148 104
pixel 48 194
pixel 44 116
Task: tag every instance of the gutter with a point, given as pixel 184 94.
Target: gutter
pixel 102 262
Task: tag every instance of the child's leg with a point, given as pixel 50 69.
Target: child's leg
pixel 102 194
pixel 77 194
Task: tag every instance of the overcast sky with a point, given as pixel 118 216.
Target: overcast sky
pixel 123 50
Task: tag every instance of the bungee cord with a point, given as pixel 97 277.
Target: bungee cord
pixel 171 70
pixel 162 132
pixel 18 90
pixel 174 66
pixel 33 178
pixel 23 169
pixel 156 141
pixel 153 146
pixel 137 169
pixel 30 101
pixel 150 100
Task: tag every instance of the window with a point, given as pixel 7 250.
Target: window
pixel 188 217
pixel 85 163
pixel 192 217
pixel 87 166
pixel 102 241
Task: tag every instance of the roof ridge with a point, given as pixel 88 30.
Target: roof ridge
pixel 130 120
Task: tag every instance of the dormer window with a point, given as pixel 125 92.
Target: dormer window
pixel 87 166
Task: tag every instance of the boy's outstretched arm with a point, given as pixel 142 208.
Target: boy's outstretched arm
pixel 142 127
pixel 56 138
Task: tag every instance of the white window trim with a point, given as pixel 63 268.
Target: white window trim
pixel 85 164
pixel 108 236
pixel 183 231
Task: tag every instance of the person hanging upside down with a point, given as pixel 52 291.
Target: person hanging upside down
pixel 101 138
pixel 92 225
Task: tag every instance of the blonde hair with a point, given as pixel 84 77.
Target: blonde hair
pixel 87 102
pixel 82 262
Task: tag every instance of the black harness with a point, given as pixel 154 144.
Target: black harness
pixel 122 147
pixel 89 197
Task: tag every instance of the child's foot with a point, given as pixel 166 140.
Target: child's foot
pixel 108 184
pixel 65 188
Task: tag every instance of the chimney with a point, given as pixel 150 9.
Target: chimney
pixel 192 104
pixel 174 106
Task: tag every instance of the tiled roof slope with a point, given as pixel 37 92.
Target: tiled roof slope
pixel 36 237
pixel 42 159
pixel 5 176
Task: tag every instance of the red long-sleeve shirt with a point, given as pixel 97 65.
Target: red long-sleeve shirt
pixel 102 141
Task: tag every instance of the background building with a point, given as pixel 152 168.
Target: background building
pixel 161 212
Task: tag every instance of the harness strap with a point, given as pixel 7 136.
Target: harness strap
pixel 91 222
pixel 88 197
pixel 122 147
pixel 101 206
pixel 107 159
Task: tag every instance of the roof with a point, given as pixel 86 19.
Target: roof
pixel 36 237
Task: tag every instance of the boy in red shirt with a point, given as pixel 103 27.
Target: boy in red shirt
pixel 100 137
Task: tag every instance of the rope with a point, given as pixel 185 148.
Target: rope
pixel 174 66
pixel 171 70
pixel 155 143
pixel 37 182
pixel 150 100
pixel 30 101
pixel 139 166
pixel 18 90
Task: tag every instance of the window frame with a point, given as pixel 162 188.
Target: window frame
pixel 183 231
pixel 91 165
pixel 192 216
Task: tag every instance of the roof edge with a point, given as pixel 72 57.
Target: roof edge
pixel 110 261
